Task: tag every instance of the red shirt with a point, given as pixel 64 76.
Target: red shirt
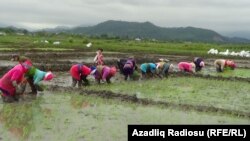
pixel 77 71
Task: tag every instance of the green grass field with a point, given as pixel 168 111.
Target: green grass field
pixel 13 42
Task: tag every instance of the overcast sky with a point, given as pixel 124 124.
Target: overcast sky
pixel 218 15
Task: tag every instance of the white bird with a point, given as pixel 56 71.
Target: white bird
pixel 210 51
pixel 242 53
pixel 216 51
pixel 89 45
pixel 213 51
pixel 248 54
pixel 234 53
pixel 56 43
pixel 46 41
pixel 226 53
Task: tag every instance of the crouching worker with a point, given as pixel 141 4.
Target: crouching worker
pixel 104 73
pixel 34 76
pixel 79 73
pixel 129 68
pixel 148 70
pixel 199 63
pixel 9 83
pixel 221 64
pixel 120 64
pixel 186 67
pixel 163 69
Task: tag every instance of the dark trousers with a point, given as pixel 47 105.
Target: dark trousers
pixel 83 81
pixel 120 64
pixel 218 68
pixel 30 80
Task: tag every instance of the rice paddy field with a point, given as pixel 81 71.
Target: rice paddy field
pixel 102 112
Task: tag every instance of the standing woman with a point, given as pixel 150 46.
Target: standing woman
pixel 99 59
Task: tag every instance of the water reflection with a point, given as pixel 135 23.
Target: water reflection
pixel 18 118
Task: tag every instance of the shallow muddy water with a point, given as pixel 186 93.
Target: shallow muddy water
pixel 63 115
pixel 5 63
pixel 58 116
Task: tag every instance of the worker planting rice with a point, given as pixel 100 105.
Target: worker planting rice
pixel 221 64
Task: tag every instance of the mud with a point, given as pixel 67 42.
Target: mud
pixel 53 60
pixel 149 102
pixel 58 55
pixel 62 61
pixel 64 79
pixel 208 72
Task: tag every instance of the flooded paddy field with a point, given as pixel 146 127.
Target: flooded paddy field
pixel 84 114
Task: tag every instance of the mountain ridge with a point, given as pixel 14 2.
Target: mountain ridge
pixel 144 30
pixel 148 30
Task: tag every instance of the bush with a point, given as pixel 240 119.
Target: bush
pixel 71 40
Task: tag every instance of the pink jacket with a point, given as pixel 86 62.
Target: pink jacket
pixel 103 73
pixel 15 74
pixel 185 66
pixel 77 71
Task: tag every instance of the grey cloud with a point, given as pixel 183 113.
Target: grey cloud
pixel 219 15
